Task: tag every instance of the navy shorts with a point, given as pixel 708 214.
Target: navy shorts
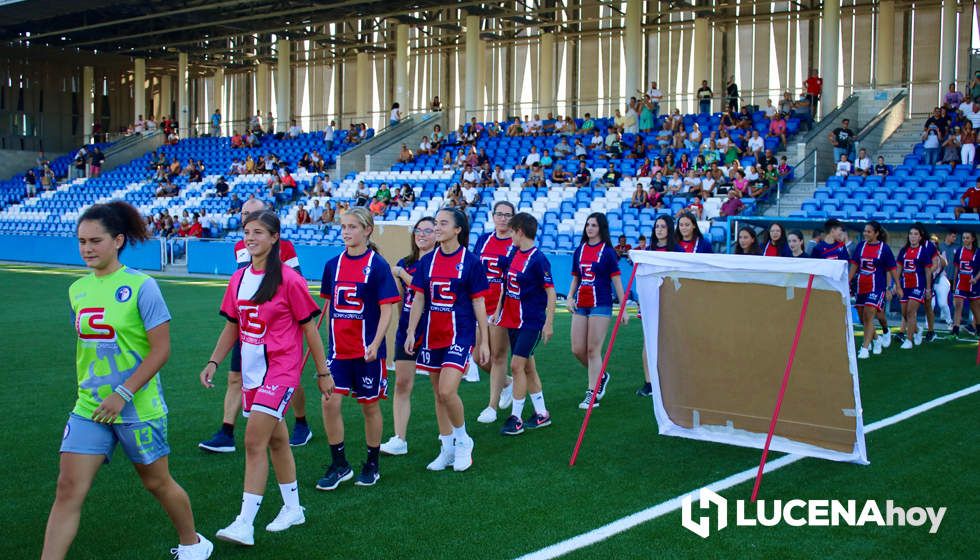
pixel 365 381
pixel 874 299
pixel 523 341
pixel 968 295
pixel 433 360
pixel 914 294
pixel 143 442
pixel 597 311
pixel 236 357
pixel 400 354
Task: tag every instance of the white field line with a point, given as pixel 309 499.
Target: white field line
pixel 624 524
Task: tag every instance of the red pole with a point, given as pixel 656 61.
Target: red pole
pixel 605 362
pixel 782 387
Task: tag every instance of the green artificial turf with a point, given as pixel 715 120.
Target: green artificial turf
pixel 519 496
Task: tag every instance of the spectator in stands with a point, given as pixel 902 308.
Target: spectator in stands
pixel 614 145
pixel 786 103
pixel 499 179
pixel 216 123
pixel 844 166
pixel 704 96
pixel 546 160
pixel 953 98
pixel 166 189
pixel 732 206
pixel 622 248
pixel 692 183
pixel 881 170
pixel 537 177
pixel 382 198
pixel 470 176
pixel 435 104
pixel 970 200
pixel 968 139
pixel 731 94
pixel 294 129
pixel 938 119
pixel 559 176
pixel 611 177
pixel 675 185
pixel 406 198
pixel 342 208
pixel 405 155
pixel 862 165
pixel 952 145
pixel 493 129
pixel 305 162
pixel 535 126
pixel 173 138
pixel 756 145
pixel 354 134
pixel 486 175
pixel 595 141
pixel 515 128
pixel 361 196
pixel 454 196
pixel 234 205
pixel 639 198
pixel 769 110
pixel 30 183
pixel 425 147
pixel 747 242
pixel 315 212
pixel 303 216
pixel 251 139
pixel 329 134
pixel 447 161
pixel 842 139
pixel 194 176
pixel 777 128
pixel 396 114
pixel 236 140
pixel 814 90
pixel 695 207
pixel 470 196
pixel 931 144
pixel 563 148
pixel 583 176
pixel 973 113
pixel 530 159
pixel 270 124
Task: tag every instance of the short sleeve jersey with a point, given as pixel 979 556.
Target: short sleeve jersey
pixel 915 261
pixel 271 333
pixel 450 282
pixel 408 299
pixel 492 249
pixel 773 250
pixel 528 275
pixel 967 262
pixel 831 252
pixel 356 287
pixel 873 260
pixel 698 245
pixel 112 315
pixel 287 254
pixel 594 266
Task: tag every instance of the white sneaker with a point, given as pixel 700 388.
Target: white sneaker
pixel 463 454
pixel 287 518
pixel 239 532
pixel 584 405
pixel 488 416
pixel 918 337
pixel 443 460
pixel 876 346
pixel 907 345
pixel 886 339
pixel 506 396
pixel 472 373
pixel 200 551
pixel 863 353
pixel 394 446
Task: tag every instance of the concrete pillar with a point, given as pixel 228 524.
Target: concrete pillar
pixel 485 78
pixel 829 54
pixel 139 87
pixel 363 92
pixel 546 75
pixel 284 85
pixel 885 47
pixel 88 81
pixel 472 63
pixel 947 56
pixel 262 82
pixel 183 105
pixel 402 96
pixel 218 98
pixel 633 47
pixel 166 97
pixel 702 52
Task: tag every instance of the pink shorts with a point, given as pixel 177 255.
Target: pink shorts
pixel 268 399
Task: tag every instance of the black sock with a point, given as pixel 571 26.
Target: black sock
pixel 338 455
pixel 648 386
pixel 301 420
pixel 228 429
pixel 373 454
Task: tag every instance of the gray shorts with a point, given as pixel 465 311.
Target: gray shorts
pixel 142 442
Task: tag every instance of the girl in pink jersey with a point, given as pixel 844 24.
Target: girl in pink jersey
pixel 269 310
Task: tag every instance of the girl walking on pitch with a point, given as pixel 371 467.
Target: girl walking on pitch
pixel 916 259
pixel 450 285
pixel 423 241
pixel 527 310
pixel 123 329
pixel 362 294
pixel 595 273
pixel 966 271
pixel 270 311
pixel 872 261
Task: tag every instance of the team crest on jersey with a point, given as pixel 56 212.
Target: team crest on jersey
pixel 366 270
pixel 459 267
pixel 123 294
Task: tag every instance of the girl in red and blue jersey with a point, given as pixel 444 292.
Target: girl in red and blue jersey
pixel 492 247
pixel 527 310
pixel 776 245
pixel 966 272
pixel 872 262
pixel 423 241
pixel 595 273
pixel 689 235
pixel 915 258
pixel 450 286
pixel 832 246
pixel 362 295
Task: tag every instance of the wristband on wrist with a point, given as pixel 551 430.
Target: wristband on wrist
pixel 123 392
pixel 213 362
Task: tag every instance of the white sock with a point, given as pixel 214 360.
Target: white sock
pixel 290 494
pixel 537 399
pixel 447 442
pixel 250 507
pixel 517 407
pixel 459 434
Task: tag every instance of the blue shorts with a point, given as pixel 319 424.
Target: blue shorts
pixel 914 294
pixel 968 295
pixel 523 341
pixel 142 442
pixel 433 360
pixel 236 357
pixel 365 381
pixel 597 311
pixel 874 299
pixel 400 354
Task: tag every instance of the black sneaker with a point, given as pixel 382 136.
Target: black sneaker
pixel 369 475
pixel 334 476
pixel 899 337
pixel 970 329
pixel 537 421
pixel 602 386
pixel 646 390
pixel 930 336
pixel 513 426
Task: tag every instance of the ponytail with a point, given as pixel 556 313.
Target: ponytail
pixel 118 218
pixel 273 264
